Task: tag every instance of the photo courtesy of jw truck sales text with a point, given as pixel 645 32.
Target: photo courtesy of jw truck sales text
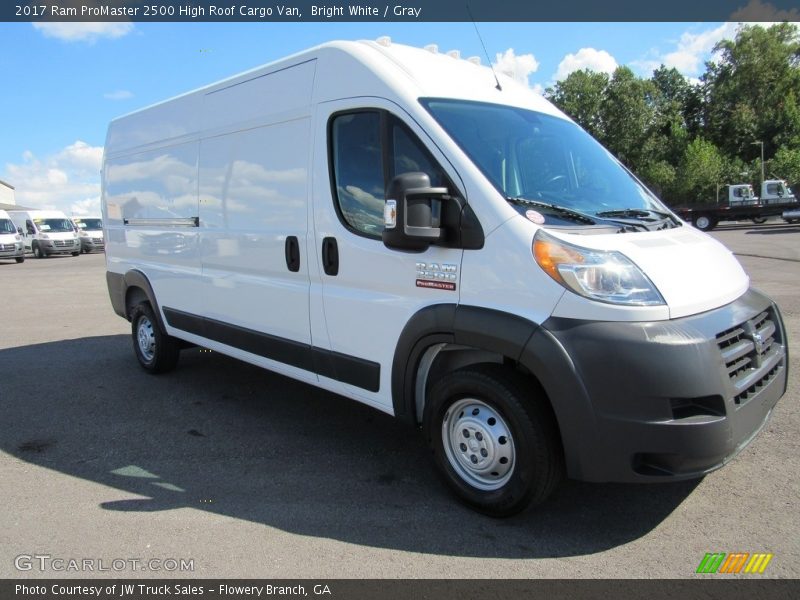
pixel 414 232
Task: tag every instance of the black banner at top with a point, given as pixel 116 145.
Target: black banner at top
pixel 400 10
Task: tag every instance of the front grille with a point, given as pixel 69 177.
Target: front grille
pixel 98 241
pixel 63 243
pixel 745 349
pixel 7 247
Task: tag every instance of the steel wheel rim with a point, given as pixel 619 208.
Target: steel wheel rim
pixel 702 222
pixel 478 444
pixel 146 338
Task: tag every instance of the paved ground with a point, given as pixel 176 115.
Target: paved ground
pixel 252 475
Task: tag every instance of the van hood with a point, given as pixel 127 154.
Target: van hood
pixel 692 271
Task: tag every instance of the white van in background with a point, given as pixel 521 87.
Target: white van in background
pixel 398 226
pixel 11 245
pixel 47 232
pixel 90 232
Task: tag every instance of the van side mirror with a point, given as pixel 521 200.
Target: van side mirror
pixel 19 230
pixel 408 212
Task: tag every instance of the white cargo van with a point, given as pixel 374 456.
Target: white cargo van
pixel 47 232
pixel 394 225
pixel 10 239
pixel 90 232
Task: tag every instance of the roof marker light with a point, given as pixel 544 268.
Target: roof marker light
pixel 454 54
pixel 475 60
pixel 384 40
pixel 432 48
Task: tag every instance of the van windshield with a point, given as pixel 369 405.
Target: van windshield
pixel 53 225
pixel 89 224
pixel 6 226
pixel 545 160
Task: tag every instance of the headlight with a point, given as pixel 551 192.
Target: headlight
pixel 604 276
pixel 44 236
pixel 83 234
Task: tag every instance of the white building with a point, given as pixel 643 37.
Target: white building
pixel 6 193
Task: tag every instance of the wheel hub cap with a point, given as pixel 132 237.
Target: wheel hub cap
pixel 146 338
pixel 478 444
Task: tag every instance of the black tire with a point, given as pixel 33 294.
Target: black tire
pixel 76 254
pixel 704 222
pixel 20 259
pixel 156 351
pixel 759 220
pixel 508 406
pixel 39 252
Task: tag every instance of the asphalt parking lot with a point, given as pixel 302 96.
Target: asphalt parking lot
pixel 248 474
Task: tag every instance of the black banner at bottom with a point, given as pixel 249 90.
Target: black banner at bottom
pixel 390 589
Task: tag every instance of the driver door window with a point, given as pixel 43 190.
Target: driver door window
pixel 368 149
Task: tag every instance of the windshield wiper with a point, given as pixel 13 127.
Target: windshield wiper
pixel 635 213
pixel 561 210
pixel 580 217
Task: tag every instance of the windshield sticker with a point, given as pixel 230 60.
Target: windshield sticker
pixel 535 217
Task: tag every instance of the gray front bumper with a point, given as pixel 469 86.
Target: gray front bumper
pixel 667 399
pixel 11 251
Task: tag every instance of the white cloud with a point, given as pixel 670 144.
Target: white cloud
pixel 695 48
pixel 692 50
pixel 759 11
pixel 599 61
pixel 83 32
pixel 67 180
pixel 516 67
pixel 118 95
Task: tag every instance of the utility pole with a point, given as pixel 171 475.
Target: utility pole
pixel 761 183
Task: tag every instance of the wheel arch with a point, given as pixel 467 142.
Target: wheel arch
pixel 128 290
pixel 441 338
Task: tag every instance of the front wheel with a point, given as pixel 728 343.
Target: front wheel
pixel 494 439
pixel 20 259
pixel 76 254
pixel 39 252
pixel 156 351
pixel 759 220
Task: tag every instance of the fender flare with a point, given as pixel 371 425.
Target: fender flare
pixel 118 286
pixel 512 336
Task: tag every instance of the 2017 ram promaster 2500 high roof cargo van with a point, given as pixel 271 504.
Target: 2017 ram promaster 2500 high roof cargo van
pixel 390 224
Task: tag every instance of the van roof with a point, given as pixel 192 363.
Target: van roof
pixel 430 72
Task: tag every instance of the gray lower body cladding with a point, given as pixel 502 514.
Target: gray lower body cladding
pixel 662 400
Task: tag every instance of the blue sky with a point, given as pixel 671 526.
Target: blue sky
pixel 63 82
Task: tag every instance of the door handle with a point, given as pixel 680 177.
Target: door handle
pixel 292 250
pixel 330 256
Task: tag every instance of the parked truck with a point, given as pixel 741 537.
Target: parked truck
pixel 10 239
pixel 90 232
pixel 46 232
pixel 392 225
pixel 739 203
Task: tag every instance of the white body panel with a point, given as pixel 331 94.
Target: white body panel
pixel 202 191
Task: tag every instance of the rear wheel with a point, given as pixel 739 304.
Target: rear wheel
pixel 704 222
pixel 494 439
pixel 759 220
pixel 156 351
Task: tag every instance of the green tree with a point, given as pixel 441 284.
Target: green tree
pixel 752 91
pixel 581 96
pixel 786 164
pixel 702 169
pixel 628 110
